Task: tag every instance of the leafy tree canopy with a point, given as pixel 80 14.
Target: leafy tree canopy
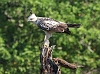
pixel 20 41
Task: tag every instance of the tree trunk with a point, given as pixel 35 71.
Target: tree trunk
pixel 51 65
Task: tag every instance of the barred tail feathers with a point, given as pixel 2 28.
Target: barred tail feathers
pixel 74 25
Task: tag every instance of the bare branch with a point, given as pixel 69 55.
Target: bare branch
pixel 65 64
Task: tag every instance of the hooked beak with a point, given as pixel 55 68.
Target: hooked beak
pixel 28 20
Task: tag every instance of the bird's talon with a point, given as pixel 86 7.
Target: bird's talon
pixel 45 46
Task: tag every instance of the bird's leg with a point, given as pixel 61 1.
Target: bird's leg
pixel 46 42
pixel 46 39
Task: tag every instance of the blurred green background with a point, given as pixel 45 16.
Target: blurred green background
pixel 20 41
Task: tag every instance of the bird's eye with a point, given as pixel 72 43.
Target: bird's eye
pixel 30 18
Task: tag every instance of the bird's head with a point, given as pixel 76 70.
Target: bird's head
pixel 32 17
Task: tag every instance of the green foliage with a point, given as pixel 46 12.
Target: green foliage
pixel 20 41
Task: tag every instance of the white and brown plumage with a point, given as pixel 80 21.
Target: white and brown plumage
pixel 50 26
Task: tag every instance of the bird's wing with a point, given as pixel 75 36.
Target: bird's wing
pixel 49 24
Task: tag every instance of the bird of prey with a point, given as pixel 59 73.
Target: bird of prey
pixel 50 26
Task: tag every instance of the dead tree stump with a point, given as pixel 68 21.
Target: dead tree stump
pixel 51 65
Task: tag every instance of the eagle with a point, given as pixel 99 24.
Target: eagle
pixel 50 26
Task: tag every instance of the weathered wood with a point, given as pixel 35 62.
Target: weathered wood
pixel 48 66
pixel 51 65
pixel 65 64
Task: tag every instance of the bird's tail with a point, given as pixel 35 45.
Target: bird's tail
pixel 74 25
